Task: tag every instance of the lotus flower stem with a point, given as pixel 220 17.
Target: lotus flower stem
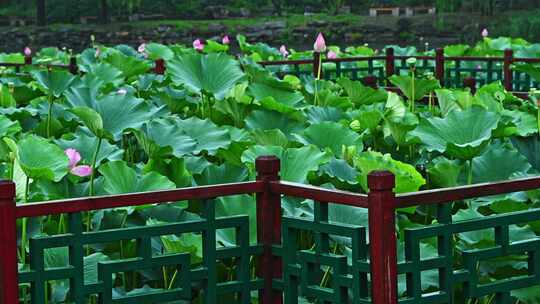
pixel 470 174
pixel 412 90
pixel 49 116
pixel 24 224
pixel 94 160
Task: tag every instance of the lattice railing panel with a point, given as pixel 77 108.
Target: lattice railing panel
pixel 460 267
pixel 190 279
pixel 316 267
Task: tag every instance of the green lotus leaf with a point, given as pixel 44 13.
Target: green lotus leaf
pixel 529 295
pixel 91 119
pixel 444 173
pixel 529 147
pixel 268 120
pixel 215 73
pixel 341 170
pixel 369 116
pixel 321 114
pixel 461 134
pixel 128 65
pixel 281 91
pixel 421 87
pixel 8 127
pixel 331 135
pixel 162 137
pixel 55 82
pixel 158 51
pixel 50 163
pixel 361 94
pixel 407 178
pixel 120 178
pixel 86 145
pixel 494 164
pixel 209 137
pixel 106 73
pixel 296 163
pixel 223 174
pixel 270 138
pixel 118 112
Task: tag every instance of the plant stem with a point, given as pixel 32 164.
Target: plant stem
pixel 470 175
pixel 317 80
pixel 538 118
pixel 412 90
pixel 24 224
pixel 49 117
pixel 94 159
pixel 430 104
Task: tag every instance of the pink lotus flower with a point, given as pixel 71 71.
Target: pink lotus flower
pixel 331 55
pixel 142 48
pixel 485 33
pixel 27 52
pixel 283 51
pixel 225 40
pixel 320 44
pixel 74 158
pixel 121 92
pixel 478 67
pixel 98 52
pixel 198 45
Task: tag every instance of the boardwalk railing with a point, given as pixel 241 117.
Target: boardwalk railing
pixel 451 71
pixel 294 255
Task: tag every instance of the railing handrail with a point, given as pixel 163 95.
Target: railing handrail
pixel 443 195
pixel 135 199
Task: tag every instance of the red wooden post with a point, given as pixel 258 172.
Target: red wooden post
pixel 508 59
pixel 27 60
pixel 382 237
pixel 390 63
pixel 159 66
pixel 9 286
pixel 470 83
pixel 439 65
pixel 269 228
pixel 73 69
pixel 370 81
pixel 317 65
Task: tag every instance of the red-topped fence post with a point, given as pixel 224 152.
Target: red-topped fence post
pixel 508 77
pixel 390 63
pixel 159 66
pixel 9 287
pixel 269 228
pixel 382 237
pixel 317 65
pixel 470 83
pixel 439 65
pixel 73 69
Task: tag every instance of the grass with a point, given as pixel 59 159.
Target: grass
pixel 293 20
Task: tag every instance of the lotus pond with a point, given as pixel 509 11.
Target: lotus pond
pixel 116 127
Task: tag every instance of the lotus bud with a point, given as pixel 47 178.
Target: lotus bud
pixel 198 45
pixel 142 48
pixel 320 44
pixel 226 40
pixel 355 125
pixel 331 55
pixel 92 38
pixel 485 33
pixel 98 53
pixel 283 51
pixel 27 52
pixel 411 62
